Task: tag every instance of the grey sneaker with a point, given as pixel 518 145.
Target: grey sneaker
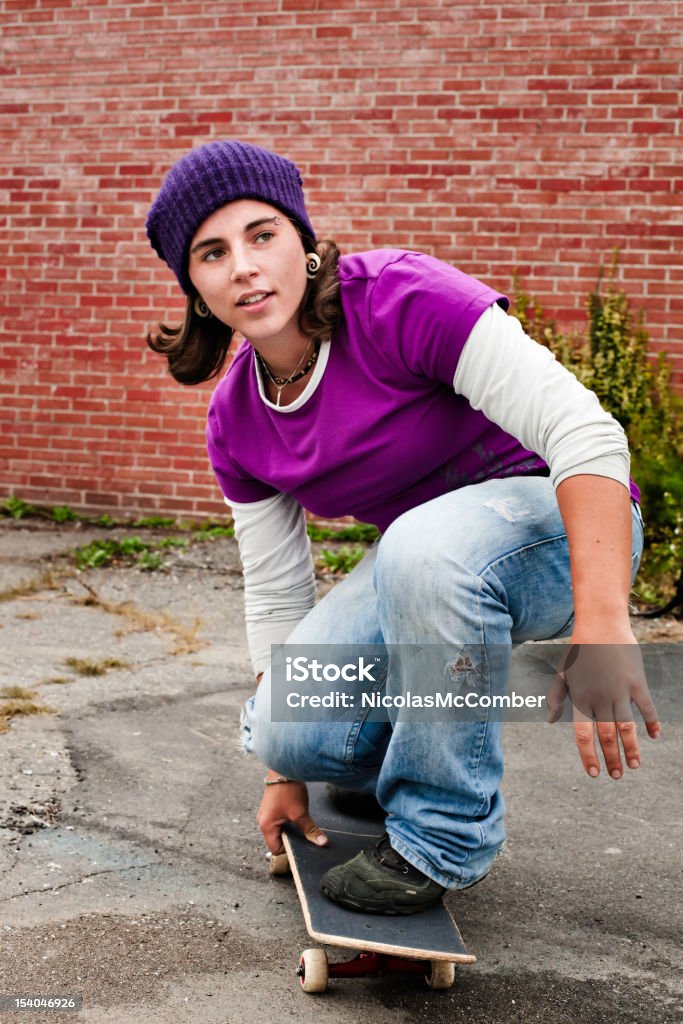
pixel 380 881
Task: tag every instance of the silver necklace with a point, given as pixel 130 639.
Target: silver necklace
pixel 280 382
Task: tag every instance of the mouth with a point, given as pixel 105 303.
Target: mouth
pixel 253 299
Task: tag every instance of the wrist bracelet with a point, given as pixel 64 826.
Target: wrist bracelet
pixel 274 782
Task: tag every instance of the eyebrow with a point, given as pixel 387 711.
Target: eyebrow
pixel 248 227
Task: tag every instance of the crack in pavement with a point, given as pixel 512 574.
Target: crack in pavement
pixel 173 848
pixel 6 871
pixel 145 702
pixel 79 881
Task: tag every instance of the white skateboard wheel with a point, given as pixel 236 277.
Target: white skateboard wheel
pixel 313 971
pixel 279 864
pixel 441 974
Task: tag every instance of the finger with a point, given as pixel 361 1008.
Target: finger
pixel 585 744
pixel 628 734
pixel 311 830
pixel 646 706
pixel 609 742
pixel 653 729
pixel 272 833
pixel 557 691
pixel 627 728
pixel 274 841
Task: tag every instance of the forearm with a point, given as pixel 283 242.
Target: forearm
pixel 279 583
pixel 596 512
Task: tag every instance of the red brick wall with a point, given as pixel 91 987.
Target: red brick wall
pixel 532 137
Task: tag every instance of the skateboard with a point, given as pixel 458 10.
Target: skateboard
pixel 427 943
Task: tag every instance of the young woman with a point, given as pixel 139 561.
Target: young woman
pixel 390 386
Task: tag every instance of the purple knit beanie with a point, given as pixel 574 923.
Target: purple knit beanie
pixel 208 178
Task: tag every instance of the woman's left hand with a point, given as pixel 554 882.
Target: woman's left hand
pixel 603 674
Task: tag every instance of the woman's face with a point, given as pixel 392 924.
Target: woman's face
pixel 248 264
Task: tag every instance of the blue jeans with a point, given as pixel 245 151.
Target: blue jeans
pixel 486 564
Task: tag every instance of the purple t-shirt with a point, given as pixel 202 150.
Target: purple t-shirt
pixel 384 430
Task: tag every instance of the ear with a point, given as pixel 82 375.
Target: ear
pixel 201 308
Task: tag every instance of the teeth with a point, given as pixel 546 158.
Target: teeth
pixel 253 298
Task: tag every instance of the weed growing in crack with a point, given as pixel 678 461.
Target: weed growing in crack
pixel 187 638
pixel 47 580
pixel 84 667
pixel 343 560
pixel 17 700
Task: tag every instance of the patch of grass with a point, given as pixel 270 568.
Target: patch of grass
pixel 145 554
pixel 63 514
pixel 15 701
pixel 95 554
pixel 186 637
pixel 211 530
pixel 106 552
pixel 56 681
pixel 47 580
pixel 154 522
pixel 363 532
pixel 343 560
pixel 17 508
pixel 84 667
pixel 149 561
pixel 18 692
pixel 207 529
pixel 104 520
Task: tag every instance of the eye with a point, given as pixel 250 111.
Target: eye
pixel 264 236
pixel 211 255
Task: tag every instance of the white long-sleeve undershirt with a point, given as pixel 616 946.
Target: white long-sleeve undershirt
pixel 517 384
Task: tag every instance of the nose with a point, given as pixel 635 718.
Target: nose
pixel 243 265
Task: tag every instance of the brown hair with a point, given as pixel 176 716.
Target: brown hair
pixel 197 348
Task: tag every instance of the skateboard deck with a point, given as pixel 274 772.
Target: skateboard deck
pixel 427 943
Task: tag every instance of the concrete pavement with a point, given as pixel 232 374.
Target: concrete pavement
pixel 132 873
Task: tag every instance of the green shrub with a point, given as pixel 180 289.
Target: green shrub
pixel 612 360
